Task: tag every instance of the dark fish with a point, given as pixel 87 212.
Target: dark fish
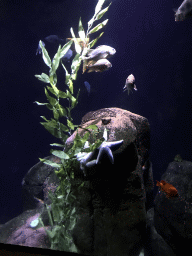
pixel 39 50
pixel 88 87
pixel 54 39
pixel 68 55
pixel 184 10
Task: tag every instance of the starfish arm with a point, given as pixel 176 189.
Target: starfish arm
pixel 114 145
pixel 91 163
pixel 85 159
pixel 109 153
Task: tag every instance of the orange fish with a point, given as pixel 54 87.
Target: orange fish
pixel 169 189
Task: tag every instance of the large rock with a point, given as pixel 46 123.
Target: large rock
pixel 112 213
pixel 173 215
pixel 111 205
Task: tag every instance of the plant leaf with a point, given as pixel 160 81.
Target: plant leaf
pixel 77 46
pixel 70 84
pixel 93 42
pixel 92 126
pixel 75 65
pixel 99 6
pixel 102 12
pixel 81 31
pixel 99 26
pixel 55 113
pixel 38 103
pixel 70 124
pixel 62 95
pixel 51 100
pixel 52 130
pixel 55 62
pixel 62 111
pixel 53 79
pixel 59 154
pixel 45 55
pixel 65 48
pixel 53 164
pixel 67 75
pixel 64 128
pixel 43 77
pixel 53 90
pixel 57 145
pixel 90 22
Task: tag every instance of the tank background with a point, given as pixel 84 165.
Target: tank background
pixel 149 44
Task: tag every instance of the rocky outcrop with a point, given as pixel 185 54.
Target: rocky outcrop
pixel 173 215
pixel 111 205
pixel 112 213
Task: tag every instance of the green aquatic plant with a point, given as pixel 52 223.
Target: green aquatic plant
pixel 178 158
pixel 62 212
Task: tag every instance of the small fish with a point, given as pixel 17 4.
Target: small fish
pixel 68 55
pixel 184 10
pixel 130 84
pixel 99 66
pixel 88 87
pixel 39 50
pixel 101 52
pixel 169 189
pixel 54 39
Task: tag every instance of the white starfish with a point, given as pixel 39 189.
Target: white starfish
pixel 106 147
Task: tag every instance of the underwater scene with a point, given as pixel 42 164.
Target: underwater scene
pixel 96 127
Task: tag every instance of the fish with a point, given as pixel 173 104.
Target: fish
pixel 169 189
pixel 65 58
pixel 68 55
pixel 98 66
pixel 39 50
pixel 101 52
pixel 88 87
pixel 184 10
pixel 54 39
pixel 130 84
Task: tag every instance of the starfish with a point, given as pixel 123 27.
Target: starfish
pixel 105 148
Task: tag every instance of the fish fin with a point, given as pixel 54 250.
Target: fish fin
pixel 129 90
pixel 135 88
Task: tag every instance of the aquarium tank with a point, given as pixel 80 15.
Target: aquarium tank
pixel 95 135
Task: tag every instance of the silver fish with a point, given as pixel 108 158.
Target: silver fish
pixel 101 52
pixel 39 50
pixel 130 84
pixel 99 66
pixel 184 10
